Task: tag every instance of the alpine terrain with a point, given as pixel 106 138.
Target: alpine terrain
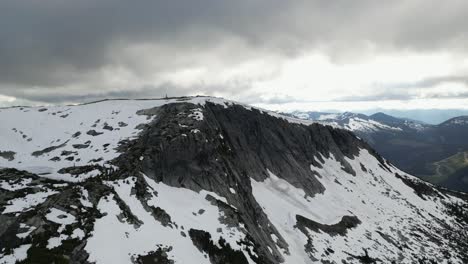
pixel 206 180
pixel 435 153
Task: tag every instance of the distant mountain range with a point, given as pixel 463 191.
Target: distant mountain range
pixel 436 153
pixel 430 116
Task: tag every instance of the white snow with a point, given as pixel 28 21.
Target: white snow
pixel 415 125
pixel 60 217
pixel 197 114
pixel 54 242
pixel 349 121
pixel 78 233
pixel 19 254
pixel 81 177
pixel 23 183
pixel 60 185
pixel 359 124
pixel 26 233
pixel 85 198
pixel 327 116
pixel 27 202
pixel 63 219
pixel 109 233
pixel 463 120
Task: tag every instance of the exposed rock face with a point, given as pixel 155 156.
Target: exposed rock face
pixel 220 183
pixel 340 228
pixel 8 155
pixel 236 142
pixel 48 149
pixel 93 132
pixel 218 254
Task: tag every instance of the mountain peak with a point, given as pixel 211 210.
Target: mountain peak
pixel 381 115
pixel 208 181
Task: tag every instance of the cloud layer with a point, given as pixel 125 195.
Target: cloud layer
pixel 57 51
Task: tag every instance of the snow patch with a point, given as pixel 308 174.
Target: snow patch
pixel 85 198
pixel 27 202
pixel 196 114
pixel 23 183
pixel 60 217
pixel 19 254
pixel 54 242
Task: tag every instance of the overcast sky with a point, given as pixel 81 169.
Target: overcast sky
pixel 301 54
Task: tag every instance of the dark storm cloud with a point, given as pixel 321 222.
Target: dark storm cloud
pixel 48 46
pixel 41 37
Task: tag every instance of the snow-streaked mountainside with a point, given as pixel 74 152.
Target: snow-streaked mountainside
pixel 460 121
pixel 205 180
pixel 362 123
pixel 413 146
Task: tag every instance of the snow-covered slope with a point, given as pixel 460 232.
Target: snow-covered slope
pixel 383 213
pixel 360 122
pixel 204 180
pixel 44 140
